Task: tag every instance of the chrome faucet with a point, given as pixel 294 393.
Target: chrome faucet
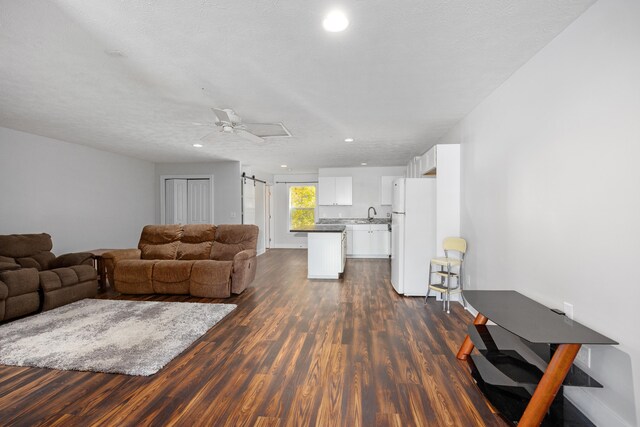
pixel 369 217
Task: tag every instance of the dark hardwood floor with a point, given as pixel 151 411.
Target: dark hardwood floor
pixel 295 352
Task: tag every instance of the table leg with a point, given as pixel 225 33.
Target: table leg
pixel 102 273
pixel 467 346
pixel 549 385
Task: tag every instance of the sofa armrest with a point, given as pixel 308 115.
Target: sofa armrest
pixel 244 270
pixel 111 258
pixel 7 266
pixel 69 260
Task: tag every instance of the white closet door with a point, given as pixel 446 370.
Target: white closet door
pixel 175 201
pixel 199 198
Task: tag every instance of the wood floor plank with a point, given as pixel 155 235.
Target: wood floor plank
pixel 295 352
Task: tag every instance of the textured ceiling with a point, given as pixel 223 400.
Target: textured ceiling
pixel 139 77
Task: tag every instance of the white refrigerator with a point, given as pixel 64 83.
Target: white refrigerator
pixel 413 234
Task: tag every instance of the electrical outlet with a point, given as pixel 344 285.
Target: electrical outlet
pixel 584 356
pixel 568 310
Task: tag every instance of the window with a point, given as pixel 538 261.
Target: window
pixel 302 206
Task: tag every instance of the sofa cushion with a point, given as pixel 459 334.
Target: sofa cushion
pixel 8 260
pixel 69 260
pixel 40 261
pixel 211 279
pixel 85 272
pixel 231 239
pixel 160 241
pixel 165 251
pixel 172 277
pixel 6 266
pixel 198 233
pixel 20 282
pixel 62 277
pixel 24 245
pixel 21 304
pixel 196 241
pixel 134 276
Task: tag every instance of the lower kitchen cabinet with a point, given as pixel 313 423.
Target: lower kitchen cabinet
pixel 368 241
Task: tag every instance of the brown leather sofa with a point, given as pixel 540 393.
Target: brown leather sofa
pixel 202 260
pixel 28 267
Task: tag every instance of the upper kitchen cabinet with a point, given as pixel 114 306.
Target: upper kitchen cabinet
pixel 386 189
pixel 335 191
pixel 428 162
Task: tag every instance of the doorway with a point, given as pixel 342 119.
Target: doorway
pixel 256 207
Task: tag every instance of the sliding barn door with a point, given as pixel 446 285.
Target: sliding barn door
pixel 253 209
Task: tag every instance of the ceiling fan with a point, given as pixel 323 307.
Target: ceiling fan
pixel 229 122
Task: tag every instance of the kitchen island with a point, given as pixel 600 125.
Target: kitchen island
pixel 327 250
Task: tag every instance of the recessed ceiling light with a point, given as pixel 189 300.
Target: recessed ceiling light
pixel 349 140
pixel 283 166
pixel 197 145
pixel 335 22
pixel 363 164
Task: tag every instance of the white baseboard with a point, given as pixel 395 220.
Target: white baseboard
pixel 289 246
pixel 593 408
pixel 367 256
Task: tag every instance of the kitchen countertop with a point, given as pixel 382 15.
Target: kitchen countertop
pixel 321 228
pixel 354 221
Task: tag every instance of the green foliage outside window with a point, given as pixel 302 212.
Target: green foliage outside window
pixel 302 205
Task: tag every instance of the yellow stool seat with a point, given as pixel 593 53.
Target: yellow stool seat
pixel 444 261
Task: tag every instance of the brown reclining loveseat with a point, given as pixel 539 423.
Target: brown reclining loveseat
pixel 202 260
pixel 27 266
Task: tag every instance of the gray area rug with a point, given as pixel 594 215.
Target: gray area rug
pixel 122 337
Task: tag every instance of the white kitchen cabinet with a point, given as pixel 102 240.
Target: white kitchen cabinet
pixel 325 255
pixel 413 167
pixel 326 191
pixel 428 162
pixel 379 242
pixel 335 191
pixel 386 189
pixel 349 231
pixel 344 190
pixel 369 241
pixel 361 246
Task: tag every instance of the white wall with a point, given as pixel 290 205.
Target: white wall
pixel 281 236
pixel 551 192
pixel 366 191
pixel 85 198
pixel 226 186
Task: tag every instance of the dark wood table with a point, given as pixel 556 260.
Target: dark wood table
pixel 527 357
pixel 99 265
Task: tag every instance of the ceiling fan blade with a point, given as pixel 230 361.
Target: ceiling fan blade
pixel 248 135
pixel 208 136
pixel 221 116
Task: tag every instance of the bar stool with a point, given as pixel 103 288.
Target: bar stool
pixel 447 271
